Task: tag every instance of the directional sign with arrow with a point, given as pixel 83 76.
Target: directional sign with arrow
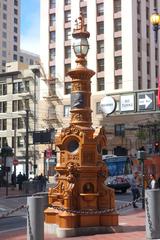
pixel 146 101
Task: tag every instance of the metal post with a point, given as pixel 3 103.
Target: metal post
pixel 152 199
pixel 6 183
pixel 141 157
pixel 27 136
pixel 35 219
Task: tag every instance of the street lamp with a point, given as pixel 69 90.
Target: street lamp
pixel 155 20
pixel 80 42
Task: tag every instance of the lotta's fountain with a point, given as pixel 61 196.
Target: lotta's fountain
pixel 80 203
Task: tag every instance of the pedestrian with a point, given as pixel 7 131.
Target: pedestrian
pixel 13 179
pixel 152 183
pixel 20 180
pixel 134 188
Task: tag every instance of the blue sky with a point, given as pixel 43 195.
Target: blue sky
pixel 30 25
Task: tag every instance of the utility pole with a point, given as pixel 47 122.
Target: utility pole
pixel 27 142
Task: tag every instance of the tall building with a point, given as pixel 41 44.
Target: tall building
pixel 122 52
pixel 10 34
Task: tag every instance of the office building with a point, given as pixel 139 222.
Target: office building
pixel 10 35
pixel 122 53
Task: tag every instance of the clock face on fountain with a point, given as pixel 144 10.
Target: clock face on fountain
pixel 72 146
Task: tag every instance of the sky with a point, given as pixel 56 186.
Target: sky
pixel 30 25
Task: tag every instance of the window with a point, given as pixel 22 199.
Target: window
pixel 100 65
pixel 156 71
pixel 5 7
pixel 100 9
pixel 139 45
pixel 67 68
pixel 3 107
pixel 31 61
pixel 3 124
pixel 4 54
pixel 52 37
pixel 66 112
pixel 148 50
pixel 119 130
pixel 17 105
pixel 52 53
pixel 15 57
pixel 148 84
pixel 67 87
pixel 118 82
pixel 16 2
pixel 156 54
pixel 117 6
pixel 52 89
pixel 138 7
pixel 15 11
pixel 20 141
pixel 67 34
pixel 84 12
pixel 67 52
pixel 100 84
pixel 138 26
pixel 3 63
pixel 15 29
pixel 21 59
pixel 100 28
pixel 148 67
pixel 4 16
pixel 52 71
pixel 4 25
pixel 52 19
pixel 18 87
pixel 17 123
pixel 67 16
pixel 147 31
pixel 139 64
pixel 118 62
pixel 15 48
pixel 3 89
pixel 98 108
pixel 52 3
pixel 139 83
pixel 147 13
pixel 4 35
pixel 67 2
pixel 15 38
pixel 3 141
pixel 26 103
pixel 15 20
pixel 100 46
pixel 4 44
pixel 117 24
pixel 118 43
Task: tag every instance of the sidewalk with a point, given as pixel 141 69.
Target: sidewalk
pixel 10 192
pixel 131 222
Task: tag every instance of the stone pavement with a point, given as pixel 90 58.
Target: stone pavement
pixel 132 226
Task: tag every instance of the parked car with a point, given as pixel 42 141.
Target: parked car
pixel 119 184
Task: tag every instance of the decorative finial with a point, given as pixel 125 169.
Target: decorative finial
pixel 79 23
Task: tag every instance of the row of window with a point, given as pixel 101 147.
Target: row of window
pixel 19 141
pixel 17 123
pixel 18 87
pixel 17 105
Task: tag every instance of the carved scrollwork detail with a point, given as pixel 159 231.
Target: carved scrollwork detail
pixel 103 172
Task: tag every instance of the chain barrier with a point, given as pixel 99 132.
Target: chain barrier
pixel 93 211
pixel 85 212
pixel 12 211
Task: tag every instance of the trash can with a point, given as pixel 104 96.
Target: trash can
pixel 152 210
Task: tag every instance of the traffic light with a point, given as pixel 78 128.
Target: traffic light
pixel 156 147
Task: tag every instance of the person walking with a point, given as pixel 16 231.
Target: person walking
pixel 152 183
pixel 134 188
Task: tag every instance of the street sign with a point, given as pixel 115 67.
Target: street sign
pixel 108 105
pixel 146 101
pixel 15 162
pixel 127 103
